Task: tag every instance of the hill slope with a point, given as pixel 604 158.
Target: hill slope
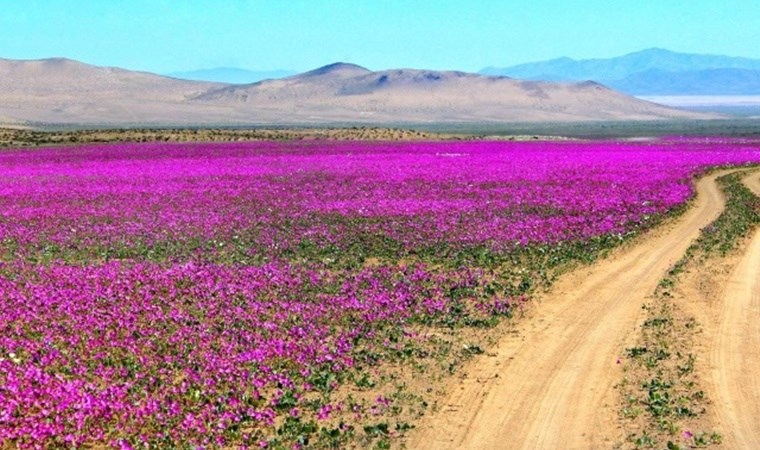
pixel 61 90
pixel 342 92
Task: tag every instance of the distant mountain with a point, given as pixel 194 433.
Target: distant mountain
pixel 62 91
pixel 347 92
pixel 649 72
pixel 690 82
pixel 231 75
pixel 337 71
pixel 622 66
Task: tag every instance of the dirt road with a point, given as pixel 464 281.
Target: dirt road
pixel 734 335
pixel 551 385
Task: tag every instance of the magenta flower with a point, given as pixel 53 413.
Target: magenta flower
pixel 173 294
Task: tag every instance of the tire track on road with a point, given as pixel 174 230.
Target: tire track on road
pixel 552 385
pixel 733 382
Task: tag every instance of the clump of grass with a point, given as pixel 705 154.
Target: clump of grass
pixel 742 214
pixel 661 393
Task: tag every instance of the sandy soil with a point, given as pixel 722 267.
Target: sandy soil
pixel 732 334
pixel 551 383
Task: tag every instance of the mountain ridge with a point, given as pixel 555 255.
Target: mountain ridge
pixel 231 75
pixel 622 72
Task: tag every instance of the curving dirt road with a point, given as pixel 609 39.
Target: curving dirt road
pixel 733 382
pixel 551 385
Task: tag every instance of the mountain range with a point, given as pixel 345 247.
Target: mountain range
pixel 649 72
pixel 63 91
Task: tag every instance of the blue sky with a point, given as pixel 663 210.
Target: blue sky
pixel 171 35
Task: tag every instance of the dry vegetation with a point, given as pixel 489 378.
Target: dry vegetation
pixel 20 137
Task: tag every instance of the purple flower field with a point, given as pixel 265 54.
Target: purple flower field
pixel 223 295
